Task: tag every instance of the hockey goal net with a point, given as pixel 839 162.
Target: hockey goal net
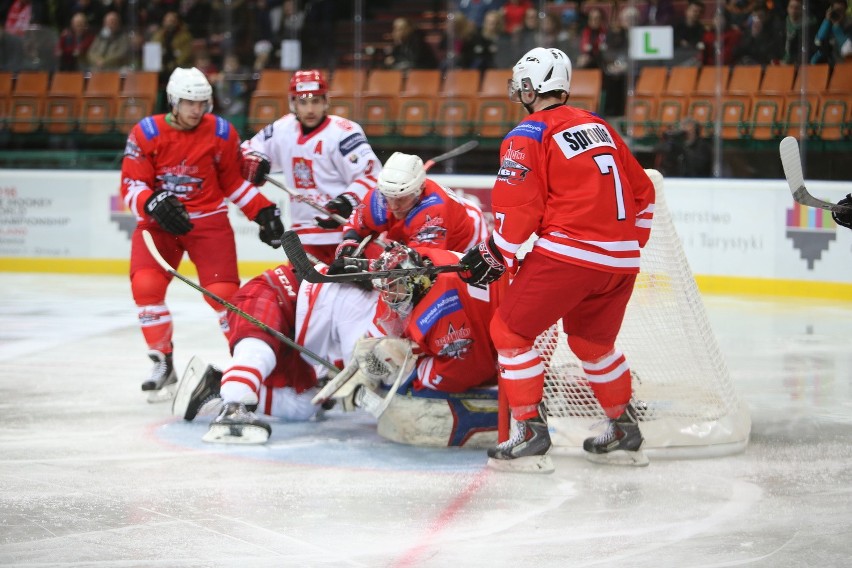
pixel 682 389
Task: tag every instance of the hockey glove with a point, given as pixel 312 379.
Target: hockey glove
pixel 169 213
pixel 342 205
pixel 271 227
pixel 346 248
pixel 484 264
pixel 844 219
pixel 381 358
pixel 254 167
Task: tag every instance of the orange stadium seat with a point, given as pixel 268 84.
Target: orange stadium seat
pixel 802 103
pixel 63 102
pixel 380 101
pixel 494 112
pixel 28 96
pixel 417 102
pixel 767 104
pixel 6 80
pixel 642 106
pixel 456 101
pixel 586 87
pixel 137 99
pixel 269 101
pixel 100 101
pixel 672 103
pixel 835 104
pixel 707 96
pixel 736 104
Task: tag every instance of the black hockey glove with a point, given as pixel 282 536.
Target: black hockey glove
pixel 484 264
pixel 254 167
pixel 271 227
pixel 169 213
pixel 342 205
pixel 844 219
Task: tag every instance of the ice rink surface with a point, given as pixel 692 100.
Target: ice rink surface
pixel 92 475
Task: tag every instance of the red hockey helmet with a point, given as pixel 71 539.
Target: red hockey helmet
pixel 309 83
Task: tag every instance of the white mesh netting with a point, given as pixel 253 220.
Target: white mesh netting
pixel 682 388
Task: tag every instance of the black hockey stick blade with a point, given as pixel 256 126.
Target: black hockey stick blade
pixel 152 248
pixel 792 162
pixel 458 151
pixel 307 271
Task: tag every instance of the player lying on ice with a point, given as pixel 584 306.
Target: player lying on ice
pixel 266 374
pixel 428 368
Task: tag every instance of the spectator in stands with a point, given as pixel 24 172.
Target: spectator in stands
pixel 657 13
pixel 483 44
pixel 198 15
pixel 760 43
pixel 832 34
pixel 292 20
pixel 11 52
pixel 176 42
pixel 738 13
pixel 729 39
pixel 110 51
pixel 504 50
pixel 231 87
pixel 689 32
pixel 616 59
pixel 513 15
pixel 263 52
pixel 553 34
pixel 683 152
pixel 592 41
pixel 527 36
pixel 74 42
pixel 93 10
pixel 409 48
pixel 475 10
pixel 793 38
pixel 21 14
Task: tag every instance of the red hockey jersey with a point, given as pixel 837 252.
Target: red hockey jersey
pixel 201 167
pixel 441 219
pixel 568 177
pixel 450 327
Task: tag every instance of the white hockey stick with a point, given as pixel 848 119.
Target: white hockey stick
pixel 376 404
pixel 336 383
pixel 792 162
pixel 152 248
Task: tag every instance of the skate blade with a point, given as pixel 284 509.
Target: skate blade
pixel 240 434
pixel 529 464
pixel 620 457
pixel 165 394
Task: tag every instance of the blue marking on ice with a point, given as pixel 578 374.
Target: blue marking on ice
pixel 341 440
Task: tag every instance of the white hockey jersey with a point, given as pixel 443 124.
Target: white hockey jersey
pixel 335 158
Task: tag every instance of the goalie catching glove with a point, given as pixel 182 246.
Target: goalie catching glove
pixel 255 167
pixel 271 227
pixel 484 264
pixel 843 219
pixel 169 213
pixel 381 359
pixel 342 205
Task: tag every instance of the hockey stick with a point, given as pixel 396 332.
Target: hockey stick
pixel 792 162
pixel 299 197
pixel 458 151
pixel 303 267
pixel 152 248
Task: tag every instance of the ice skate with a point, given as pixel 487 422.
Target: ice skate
pixel 198 391
pixel 526 449
pixel 620 444
pixel 237 425
pixel 162 383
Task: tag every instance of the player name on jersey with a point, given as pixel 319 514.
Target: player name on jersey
pixel 578 139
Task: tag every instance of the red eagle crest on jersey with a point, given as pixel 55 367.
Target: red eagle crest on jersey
pixel 303 173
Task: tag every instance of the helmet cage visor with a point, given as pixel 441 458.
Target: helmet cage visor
pixel 522 93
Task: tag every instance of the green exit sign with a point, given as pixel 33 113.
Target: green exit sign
pixel 651 42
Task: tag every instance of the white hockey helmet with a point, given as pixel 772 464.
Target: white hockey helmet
pixel 402 175
pixel 540 70
pixel 188 84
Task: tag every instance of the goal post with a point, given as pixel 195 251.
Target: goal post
pixel 682 389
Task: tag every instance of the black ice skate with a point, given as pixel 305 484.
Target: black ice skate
pixel 237 425
pixel 162 383
pixel 621 442
pixel 526 449
pixel 198 391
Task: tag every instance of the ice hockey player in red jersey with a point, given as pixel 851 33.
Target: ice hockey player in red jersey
pixel 414 210
pixel 277 379
pixel 326 158
pixel 179 171
pixel 568 177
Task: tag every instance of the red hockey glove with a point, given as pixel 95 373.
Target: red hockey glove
pixel 484 264
pixel 254 167
pixel 169 213
pixel 271 227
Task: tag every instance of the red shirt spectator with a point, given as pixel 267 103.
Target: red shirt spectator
pixel 74 43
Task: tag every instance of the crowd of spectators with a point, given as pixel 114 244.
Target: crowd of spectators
pixel 237 38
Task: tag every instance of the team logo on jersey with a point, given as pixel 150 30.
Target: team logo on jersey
pixel 443 306
pixel 529 129
pixel 430 231
pixel 578 139
pixel 131 148
pixel 179 180
pixel 455 344
pixel 512 172
pixel 303 173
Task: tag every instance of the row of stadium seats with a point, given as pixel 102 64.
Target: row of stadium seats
pixel 65 102
pixel 420 102
pixel 751 103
